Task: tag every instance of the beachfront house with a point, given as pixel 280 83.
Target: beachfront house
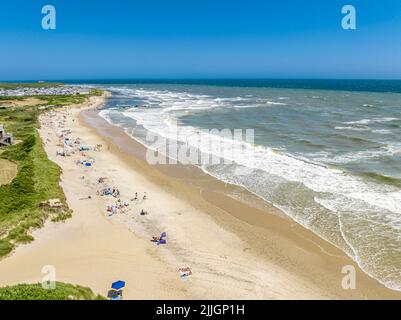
pixel 6 139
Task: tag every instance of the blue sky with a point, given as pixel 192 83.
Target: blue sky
pixel 199 39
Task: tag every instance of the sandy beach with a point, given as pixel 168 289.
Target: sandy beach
pixel 234 250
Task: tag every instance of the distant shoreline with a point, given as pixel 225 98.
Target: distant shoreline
pixel 361 85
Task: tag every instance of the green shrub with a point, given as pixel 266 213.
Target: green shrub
pixel 62 291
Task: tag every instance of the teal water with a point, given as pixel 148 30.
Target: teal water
pixel 328 155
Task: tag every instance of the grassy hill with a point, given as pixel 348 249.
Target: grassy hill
pixel 37 179
pixel 63 291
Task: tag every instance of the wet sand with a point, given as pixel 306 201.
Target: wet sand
pixel 236 250
pixel 264 230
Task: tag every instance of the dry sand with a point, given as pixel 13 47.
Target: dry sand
pixel 234 250
pixel 8 171
pixel 23 102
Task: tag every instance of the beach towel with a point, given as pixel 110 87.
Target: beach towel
pixel 84 147
pixel 161 241
pixel 185 272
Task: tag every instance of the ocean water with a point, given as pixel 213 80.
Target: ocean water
pixel 328 153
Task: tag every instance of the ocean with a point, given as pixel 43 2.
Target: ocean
pixel 326 152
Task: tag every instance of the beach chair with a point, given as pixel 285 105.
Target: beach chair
pixel 115 294
pixel 162 239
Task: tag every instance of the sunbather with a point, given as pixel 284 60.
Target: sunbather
pixel 185 271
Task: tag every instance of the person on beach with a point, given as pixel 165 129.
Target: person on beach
pixel 136 197
pixel 144 196
pixel 116 192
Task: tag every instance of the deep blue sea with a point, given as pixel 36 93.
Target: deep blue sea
pixel 326 152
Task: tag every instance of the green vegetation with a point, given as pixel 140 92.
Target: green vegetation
pixel 37 179
pixel 13 98
pixel 96 92
pixel 53 100
pixel 61 100
pixel 23 201
pixel 62 291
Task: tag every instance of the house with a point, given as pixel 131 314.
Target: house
pixel 6 139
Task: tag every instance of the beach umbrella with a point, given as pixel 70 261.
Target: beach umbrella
pixel 118 285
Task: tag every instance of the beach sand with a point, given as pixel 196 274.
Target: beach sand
pixel 19 103
pixel 235 250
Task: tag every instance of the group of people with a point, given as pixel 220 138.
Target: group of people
pixel 115 192
pixel 118 206
pixel 136 196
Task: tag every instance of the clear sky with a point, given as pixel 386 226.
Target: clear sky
pixel 199 39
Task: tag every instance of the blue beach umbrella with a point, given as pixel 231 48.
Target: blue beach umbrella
pixel 118 285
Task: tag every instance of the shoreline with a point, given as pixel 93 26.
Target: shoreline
pixel 235 251
pixel 215 193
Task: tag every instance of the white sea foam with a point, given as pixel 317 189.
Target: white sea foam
pixel 343 192
pixel 105 114
pixel 388 150
pixel 382 131
pixel 316 178
pixel 353 128
pixel 276 103
pixel 375 120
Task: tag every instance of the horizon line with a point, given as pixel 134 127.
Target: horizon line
pixel 196 79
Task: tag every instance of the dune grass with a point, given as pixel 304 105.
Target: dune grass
pixel 63 291
pixel 37 179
